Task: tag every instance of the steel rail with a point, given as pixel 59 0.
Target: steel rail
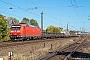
pixel 48 56
pixel 56 52
pixel 72 52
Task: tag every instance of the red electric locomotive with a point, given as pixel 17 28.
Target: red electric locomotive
pixel 24 31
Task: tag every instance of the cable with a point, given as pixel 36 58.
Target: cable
pixel 32 2
pixel 21 9
pixel 75 3
pixel 47 7
pixel 75 9
pixel 85 11
pixel 10 14
pixel 55 19
pixel 18 7
pixel 26 4
pixel 48 15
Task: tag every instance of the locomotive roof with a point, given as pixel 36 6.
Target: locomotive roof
pixel 34 26
pixel 26 25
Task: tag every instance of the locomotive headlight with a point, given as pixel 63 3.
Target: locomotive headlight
pixel 18 31
pixel 12 31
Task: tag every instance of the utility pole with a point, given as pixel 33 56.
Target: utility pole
pixel 42 21
pixel 67 26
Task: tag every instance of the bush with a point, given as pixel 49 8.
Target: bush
pixel 4 30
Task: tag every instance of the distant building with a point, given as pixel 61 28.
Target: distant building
pixel 67 33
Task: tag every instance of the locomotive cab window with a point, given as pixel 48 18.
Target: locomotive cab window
pixel 15 27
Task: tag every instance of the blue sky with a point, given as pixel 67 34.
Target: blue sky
pixel 56 12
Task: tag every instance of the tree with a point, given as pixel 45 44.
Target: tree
pixel 11 21
pixel 15 21
pixel 25 20
pixel 50 28
pixel 53 29
pixel 72 31
pixel 33 22
pixel 4 30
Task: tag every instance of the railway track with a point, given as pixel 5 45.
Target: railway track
pixel 64 53
pixel 7 44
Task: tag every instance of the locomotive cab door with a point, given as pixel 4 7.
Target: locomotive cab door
pixel 24 31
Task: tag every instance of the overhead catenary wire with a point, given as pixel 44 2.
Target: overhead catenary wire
pixel 32 2
pixel 75 3
pixel 52 17
pixel 48 14
pixel 28 11
pixel 46 6
pixel 85 10
pixel 26 4
pixel 21 8
pixel 10 14
pixel 18 7
pixel 75 8
pixel 79 6
pixel 44 13
pixel 55 19
pixel 87 15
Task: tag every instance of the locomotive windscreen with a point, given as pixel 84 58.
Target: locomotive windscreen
pixel 15 27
